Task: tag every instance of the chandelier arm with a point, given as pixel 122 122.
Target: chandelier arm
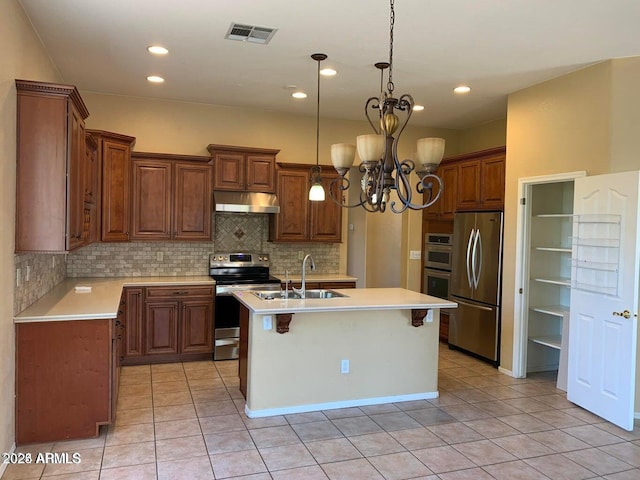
pixel 370 104
pixel 345 183
pixel 431 200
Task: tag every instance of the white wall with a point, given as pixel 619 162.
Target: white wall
pixel 22 56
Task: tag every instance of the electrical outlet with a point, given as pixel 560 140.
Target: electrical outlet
pixel 344 366
pixel 27 273
pixel 18 277
pixel 415 255
pixel 160 256
pixel 429 317
pixel 267 322
pixel 300 255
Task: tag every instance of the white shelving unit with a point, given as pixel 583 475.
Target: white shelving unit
pixel 550 267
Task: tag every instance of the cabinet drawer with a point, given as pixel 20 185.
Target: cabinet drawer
pixel 179 291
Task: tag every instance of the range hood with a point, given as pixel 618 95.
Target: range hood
pixel 245 202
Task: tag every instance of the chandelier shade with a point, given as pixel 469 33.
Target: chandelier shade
pixel 343 155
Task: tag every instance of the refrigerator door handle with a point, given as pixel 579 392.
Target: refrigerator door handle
pixel 477 249
pixel 473 305
pixel 468 264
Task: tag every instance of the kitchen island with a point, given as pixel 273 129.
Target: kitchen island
pixel 371 346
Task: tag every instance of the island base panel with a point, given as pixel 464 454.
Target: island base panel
pixel 390 360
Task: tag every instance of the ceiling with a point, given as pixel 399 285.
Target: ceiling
pixel 495 46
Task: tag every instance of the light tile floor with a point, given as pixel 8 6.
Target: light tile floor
pixel 186 421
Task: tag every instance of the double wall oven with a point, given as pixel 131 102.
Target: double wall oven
pixel 438 251
pixel 235 272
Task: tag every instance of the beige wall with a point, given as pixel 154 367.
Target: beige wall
pixel 488 135
pixel 22 57
pixel 625 115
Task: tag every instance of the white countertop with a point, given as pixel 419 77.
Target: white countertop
pixel 63 302
pixel 356 299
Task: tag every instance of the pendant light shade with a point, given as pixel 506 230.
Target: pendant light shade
pixel 316 192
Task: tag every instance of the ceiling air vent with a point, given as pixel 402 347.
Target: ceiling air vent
pixel 250 33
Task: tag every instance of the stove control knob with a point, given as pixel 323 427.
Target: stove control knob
pixel 220 258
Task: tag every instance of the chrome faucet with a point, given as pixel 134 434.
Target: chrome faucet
pixel 285 294
pixel 301 291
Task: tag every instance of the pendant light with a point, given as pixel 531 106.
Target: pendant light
pixel 316 192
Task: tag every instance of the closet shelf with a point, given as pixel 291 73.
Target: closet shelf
pixel 566 281
pixel 555 310
pixel 553 341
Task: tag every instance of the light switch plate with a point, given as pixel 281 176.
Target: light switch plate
pixel 415 255
pixel 267 322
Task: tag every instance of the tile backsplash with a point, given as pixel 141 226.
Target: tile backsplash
pixel 233 232
pixel 39 273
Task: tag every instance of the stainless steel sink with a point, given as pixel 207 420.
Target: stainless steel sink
pixel 321 293
pixel 268 294
pixel 311 293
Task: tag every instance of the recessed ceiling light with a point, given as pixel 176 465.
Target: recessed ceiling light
pixel 418 108
pixel 299 95
pixel 155 79
pixel 328 72
pixel 157 50
pixel 462 89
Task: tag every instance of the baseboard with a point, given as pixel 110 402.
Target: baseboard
pixel 3 466
pixel 505 371
pixel 314 407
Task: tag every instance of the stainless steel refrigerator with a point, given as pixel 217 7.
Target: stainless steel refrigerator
pixel 476 274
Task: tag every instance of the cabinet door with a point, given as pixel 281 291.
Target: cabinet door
pixel 260 173
pixel 133 322
pixel 192 202
pixel 229 171
pixel 91 229
pixel 161 328
pixel 447 201
pixel 116 199
pixel 434 211
pixel 468 185
pixel 151 200
pixel 292 223
pixel 492 176
pixel 326 216
pixel 196 326
pixel 75 179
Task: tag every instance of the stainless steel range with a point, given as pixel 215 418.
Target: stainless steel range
pixel 235 272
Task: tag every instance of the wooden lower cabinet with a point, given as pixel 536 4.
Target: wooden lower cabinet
pixel 168 323
pixel 66 377
pixel 444 327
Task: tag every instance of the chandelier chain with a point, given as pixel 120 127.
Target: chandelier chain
pixel 392 21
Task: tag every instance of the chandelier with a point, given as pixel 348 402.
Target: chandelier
pixel 381 169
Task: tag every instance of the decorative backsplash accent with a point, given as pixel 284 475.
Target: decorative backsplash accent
pixel 45 272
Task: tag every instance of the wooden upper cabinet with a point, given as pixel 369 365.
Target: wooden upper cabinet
pixel 301 220
pixel 172 197
pixel 151 212
pixel 326 217
pixel 243 168
pixel 468 185
pixel 49 173
pixel 292 223
pixel 480 179
pixel 114 160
